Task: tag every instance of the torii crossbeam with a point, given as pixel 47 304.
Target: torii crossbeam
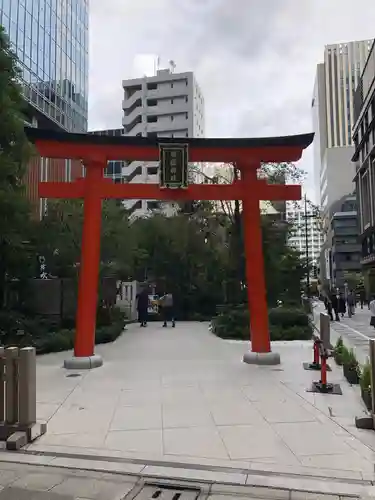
pixel 95 151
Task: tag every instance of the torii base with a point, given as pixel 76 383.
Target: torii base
pixel 84 362
pixel 262 358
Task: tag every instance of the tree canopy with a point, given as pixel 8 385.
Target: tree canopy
pixel 15 224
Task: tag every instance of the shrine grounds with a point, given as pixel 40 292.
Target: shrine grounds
pixel 184 396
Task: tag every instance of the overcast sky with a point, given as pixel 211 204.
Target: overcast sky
pixel 255 60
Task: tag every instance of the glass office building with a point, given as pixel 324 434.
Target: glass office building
pixel 50 38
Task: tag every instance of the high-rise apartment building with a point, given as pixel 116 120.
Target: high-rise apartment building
pixel 299 237
pixel 50 39
pixel 166 105
pixel 333 119
pixel 114 167
pixel 364 161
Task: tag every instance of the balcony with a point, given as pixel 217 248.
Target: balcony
pixel 133 118
pixel 347 248
pixel 168 109
pixel 128 103
pixel 346 265
pixel 165 93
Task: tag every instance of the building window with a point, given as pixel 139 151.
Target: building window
pixel 152 119
pixel 171 85
pixel 186 98
pixel 365 200
pixel 172 118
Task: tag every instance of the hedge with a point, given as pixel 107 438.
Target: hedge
pixel 48 335
pixel 286 323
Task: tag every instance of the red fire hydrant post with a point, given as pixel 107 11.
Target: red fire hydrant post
pixel 315 365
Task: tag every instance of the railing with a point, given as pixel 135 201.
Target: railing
pixel 18 397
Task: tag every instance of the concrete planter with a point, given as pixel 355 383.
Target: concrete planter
pixel 351 374
pixel 367 398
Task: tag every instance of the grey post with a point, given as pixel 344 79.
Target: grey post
pixel 2 385
pixel 325 330
pixel 27 386
pixel 372 364
pixel 11 385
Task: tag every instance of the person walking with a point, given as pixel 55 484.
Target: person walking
pixel 335 305
pixel 142 306
pixel 372 311
pixel 362 297
pixel 166 302
pixel 341 304
pixel 350 302
pixel 328 306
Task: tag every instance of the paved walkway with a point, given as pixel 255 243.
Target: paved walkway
pixel 71 479
pixel 184 396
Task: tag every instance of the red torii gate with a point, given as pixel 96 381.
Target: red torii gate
pixel 95 151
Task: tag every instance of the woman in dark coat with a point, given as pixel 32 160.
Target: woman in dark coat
pixel 341 305
pixel 142 307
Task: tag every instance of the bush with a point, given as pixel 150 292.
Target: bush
pixel 338 352
pixel 285 323
pixel 365 379
pixel 350 359
pixel 46 335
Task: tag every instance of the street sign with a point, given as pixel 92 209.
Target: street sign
pixel 173 166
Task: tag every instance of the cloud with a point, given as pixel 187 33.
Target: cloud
pixel 255 60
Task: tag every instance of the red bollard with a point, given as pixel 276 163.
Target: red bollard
pixel 323 373
pixel 315 365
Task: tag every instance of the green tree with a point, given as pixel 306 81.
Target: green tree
pixel 15 225
pixel 179 254
pixel 59 236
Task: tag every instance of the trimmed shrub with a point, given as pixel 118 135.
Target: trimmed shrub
pixel 338 352
pixel 46 335
pixel 285 323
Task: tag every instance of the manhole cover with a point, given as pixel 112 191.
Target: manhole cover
pixel 167 492
pixel 71 375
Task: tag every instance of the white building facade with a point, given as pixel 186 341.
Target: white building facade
pixel 333 119
pixel 166 105
pixel 296 217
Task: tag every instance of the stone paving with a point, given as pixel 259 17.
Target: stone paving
pixel 71 480
pixel 184 396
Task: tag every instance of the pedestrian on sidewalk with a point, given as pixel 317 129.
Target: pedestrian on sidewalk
pixel 362 297
pixel 166 303
pixel 328 306
pixel 142 306
pixel 341 304
pixel 350 302
pixel 372 311
pixel 335 305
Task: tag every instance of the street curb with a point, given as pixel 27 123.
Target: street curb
pixel 223 480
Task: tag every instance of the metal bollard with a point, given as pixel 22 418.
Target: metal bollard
pixel 11 385
pixel 27 386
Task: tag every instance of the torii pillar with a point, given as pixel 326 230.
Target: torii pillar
pixel 95 151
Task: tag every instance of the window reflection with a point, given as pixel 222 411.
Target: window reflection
pixel 51 43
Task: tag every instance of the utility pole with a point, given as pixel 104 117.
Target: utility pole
pixel 307 251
